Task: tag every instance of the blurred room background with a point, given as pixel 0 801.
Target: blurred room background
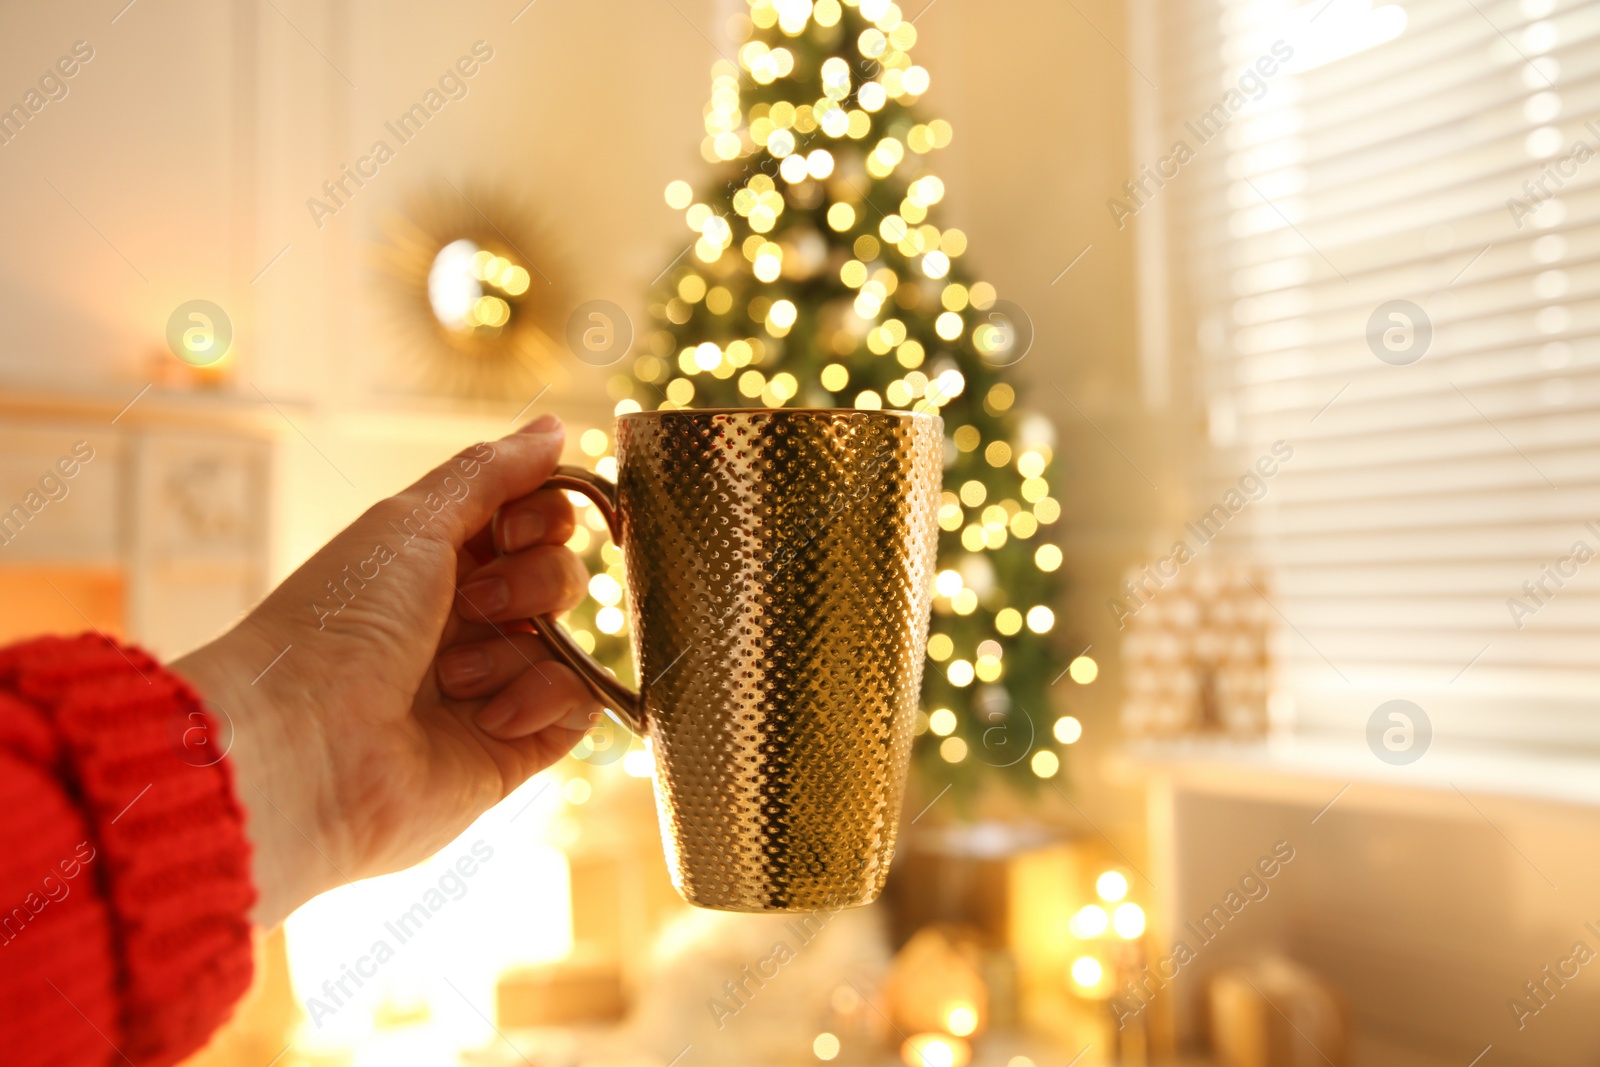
pixel 1308 294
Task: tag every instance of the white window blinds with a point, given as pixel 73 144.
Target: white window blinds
pixel 1418 179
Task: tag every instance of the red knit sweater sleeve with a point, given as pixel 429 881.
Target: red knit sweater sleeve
pixel 124 871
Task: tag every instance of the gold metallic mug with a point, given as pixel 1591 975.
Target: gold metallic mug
pixel 780 572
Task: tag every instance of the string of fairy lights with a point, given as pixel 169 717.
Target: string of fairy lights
pixel 818 277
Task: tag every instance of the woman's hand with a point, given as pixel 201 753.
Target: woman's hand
pixel 377 709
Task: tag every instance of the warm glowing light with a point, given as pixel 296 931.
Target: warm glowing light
pixel 606 589
pixel 594 442
pixel 783 314
pixel 948 582
pixel 1047 557
pixel 942 722
pixel 953 749
pixel 793 169
pixel 514 280
pixel 1040 620
pixel 1128 920
pixel 453 286
pixel 835 78
pixel 961 1019
pixel 679 195
pixel 825 1046
pixel 935 1050
pixel 327 936
pixel 577 791
pixel 1045 763
pixel 707 355
pixel 1068 729
pixel 608 620
pixel 940 647
pixel 491 311
pixel 1086 971
pixel 1083 669
pixel 1008 621
pixel 638 764
pixel 1090 921
pixel 1112 886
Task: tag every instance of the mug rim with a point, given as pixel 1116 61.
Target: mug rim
pixel 893 413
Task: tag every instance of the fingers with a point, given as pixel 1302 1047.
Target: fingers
pixel 542 579
pixel 458 498
pixel 544 517
pixel 477 669
pixel 551 696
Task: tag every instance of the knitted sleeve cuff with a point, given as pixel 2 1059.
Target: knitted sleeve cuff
pixel 145 758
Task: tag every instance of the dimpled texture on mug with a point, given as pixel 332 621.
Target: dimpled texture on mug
pixel 780 570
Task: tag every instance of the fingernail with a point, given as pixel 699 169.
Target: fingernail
pixel 496 715
pixel 462 667
pixel 546 423
pixel 487 595
pixel 580 719
pixel 522 530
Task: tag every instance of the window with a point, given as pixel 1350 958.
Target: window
pixel 1379 226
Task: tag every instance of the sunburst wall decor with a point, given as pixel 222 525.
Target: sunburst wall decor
pixel 475 297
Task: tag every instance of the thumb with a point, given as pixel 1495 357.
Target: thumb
pixel 458 498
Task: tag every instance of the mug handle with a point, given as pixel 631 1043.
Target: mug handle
pixel 626 703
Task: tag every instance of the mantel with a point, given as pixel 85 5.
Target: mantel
pixel 252 413
pixel 131 408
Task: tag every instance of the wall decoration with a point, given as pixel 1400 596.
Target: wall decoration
pixel 475 294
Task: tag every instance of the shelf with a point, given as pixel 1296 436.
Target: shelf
pixel 1312 770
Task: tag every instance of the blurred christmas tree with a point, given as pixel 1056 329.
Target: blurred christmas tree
pixel 819 279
